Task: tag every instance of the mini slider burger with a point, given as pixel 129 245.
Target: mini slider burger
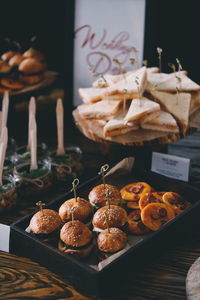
pixel 45 224
pixel 32 70
pixel 116 217
pixel 110 241
pixel 78 208
pixel 76 239
pixel 83 212
pixel 98 198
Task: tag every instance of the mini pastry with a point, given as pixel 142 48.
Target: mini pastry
pixel 176 202
pixel 132 193
pixel 135 224
pixel 99 195
pixel 154 197
pixel 76 239
pixel 116 216
pixel 111 241
pixel 82 210
pixel 155 215
pixel 45 224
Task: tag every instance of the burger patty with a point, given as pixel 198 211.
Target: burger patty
pixel 76 248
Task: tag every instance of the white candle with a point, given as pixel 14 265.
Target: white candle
pixel 32 111
pixel 3 147
pixel 5 106
pixel 60 127
pixel 33 143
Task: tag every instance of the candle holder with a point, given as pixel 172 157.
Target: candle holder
pixel 33 182
pixel 8 194
pixel 68 166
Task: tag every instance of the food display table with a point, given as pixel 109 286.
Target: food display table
pixel 163 278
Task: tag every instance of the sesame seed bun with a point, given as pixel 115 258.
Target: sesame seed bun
pixel 111 241
pixel 4 67
pixel 7 55
pixel 98 198
pixel 15 60
pixel 82 212
pixel 75 234
pixel 45 221
pixel 31 66
pixel 117 217
pixel 31 52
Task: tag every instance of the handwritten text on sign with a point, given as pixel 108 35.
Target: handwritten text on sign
pixel 106 30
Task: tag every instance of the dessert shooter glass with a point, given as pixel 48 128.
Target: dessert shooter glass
pixel 22 155
pixel 68 166
pixel 34 182
pixel 8 194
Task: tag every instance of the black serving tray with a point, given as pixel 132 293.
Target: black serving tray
pixel 94 282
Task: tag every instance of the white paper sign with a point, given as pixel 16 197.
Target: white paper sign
pixel 4 237
pixel 104 30
pixel 170 166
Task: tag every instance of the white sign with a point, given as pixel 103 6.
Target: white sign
pixel 170 166
pixel 104 30
pixel 4 237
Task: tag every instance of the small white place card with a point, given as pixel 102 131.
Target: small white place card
pixel 4 237
pixel 171 166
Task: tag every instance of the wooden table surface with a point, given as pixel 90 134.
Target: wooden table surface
pixel 164 278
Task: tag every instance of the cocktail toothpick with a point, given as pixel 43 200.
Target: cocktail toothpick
pixel 178 78
pixel 60 127
pixel 102 172
pixel 74 208
pixel 32 111
pixel 3 147
pixel 107 223
pixel 138 88
pixel 159 51
pixel 145 63
pixel 40 204
pixel 75 184
pixel 5 107
pixel 33 141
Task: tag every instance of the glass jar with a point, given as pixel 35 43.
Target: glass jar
pixel 22 155
pixel 68 166
pixel 8 194
pixel 33 182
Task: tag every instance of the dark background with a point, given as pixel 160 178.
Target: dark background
pixel 172 25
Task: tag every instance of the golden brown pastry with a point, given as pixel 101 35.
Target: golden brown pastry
pixel 135 224
pixel 153 197
pixel 155 215
pixel 132 193
pixel 176 202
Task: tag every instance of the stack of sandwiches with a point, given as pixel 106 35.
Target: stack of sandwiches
pixel 143 99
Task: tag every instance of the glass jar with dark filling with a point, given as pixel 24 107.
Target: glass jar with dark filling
pixel 8 194
pixel 33 182
pixel 68 166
